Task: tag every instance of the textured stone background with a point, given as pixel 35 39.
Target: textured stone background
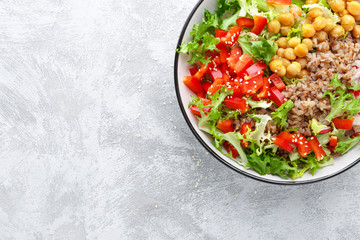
pixel 93 144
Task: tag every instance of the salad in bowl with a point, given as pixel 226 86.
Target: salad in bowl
pixel 275 83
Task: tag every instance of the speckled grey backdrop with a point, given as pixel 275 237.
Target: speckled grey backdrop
pixel 93 144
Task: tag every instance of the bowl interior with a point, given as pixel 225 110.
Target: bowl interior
pixel 342 163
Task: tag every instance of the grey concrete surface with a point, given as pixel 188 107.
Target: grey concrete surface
pixel 93 144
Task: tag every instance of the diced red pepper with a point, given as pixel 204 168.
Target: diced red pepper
pixel 215 86
pixel 224 53
pixel 235 86
pixel 303 145
pixel 220 33
pixel 290 138
pixel 201 94
pixel 252 83
pixel 215 61
pixel 317 148
pixel 244 62
pixel 245 22
pixel 256 68
pixel 201 72
pixel 232 36
pixel 264 90
pixel 243 130
pixel 259 24
pixel 277 81
pixel 276 96
pixel 333 141
pixel 279 2
pixel 283 144
pixel 225 125
pixel 230 148
pixel 343 123
pixel 193 84
pixel 237 104
pixel 206 85
pixel 224 68
pixel 193 71
pixel 234 58
pixel 215 73
pixel 195 110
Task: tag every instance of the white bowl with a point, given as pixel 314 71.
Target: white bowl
pixel 342 163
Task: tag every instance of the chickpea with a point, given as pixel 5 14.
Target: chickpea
pixel 301 50
pixel 343 13
pixel 303 62
pixel 294 41
pixel 321 36
pixel 293 69
pixel 282 71
pixel 275 57
pixel 280 52
pixel 304 73
pixel 296 11
pixel 282 42
pixel 315 12
pixel 308 20
pixel 354 8
pixel 338 31
pixel 337 5
pixel 308 30
pixel 289 54
pixel 319 23
pixel 276 65
pixel 285 30
pixel 348 22
pixel 309 43
pixel 311 1
pixel 329 25
pixel 274 26
pixel 356 31
pixel 287 19
pixel 285 62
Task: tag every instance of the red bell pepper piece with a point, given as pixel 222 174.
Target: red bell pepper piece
pixel 317 148
pixel 290 138
pixel 224 53
pixel 201 72
pixel 225 125
pixel 343 123
pixel 201 94
pixel 279 2
pixel 195 110
pixel 277 81
pixel 206 85
pixel 193 84
pixel 193 71
pixel 237 104
pixel 235 86
pixel 276 96
pixel 252 83
pixel 224 68
pixel 234 58
pixel 244 62
pixel 230 148
pixel 303 145
pixel 259 24
pixel 220 33
pixel 232 36
pixel 215 73
pixel 283 144
pixel 333 141
pixel 243 130
pixel 245 22
pixel 256 68
pixel 215 86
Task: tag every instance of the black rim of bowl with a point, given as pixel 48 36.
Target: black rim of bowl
pixel 208 148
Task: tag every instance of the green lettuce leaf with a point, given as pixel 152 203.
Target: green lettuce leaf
pixel 316 126
pixel 262 50
pixel 291 81
pixel 280 115
pixel 259 104
pixel 344 146
pixel 342 102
